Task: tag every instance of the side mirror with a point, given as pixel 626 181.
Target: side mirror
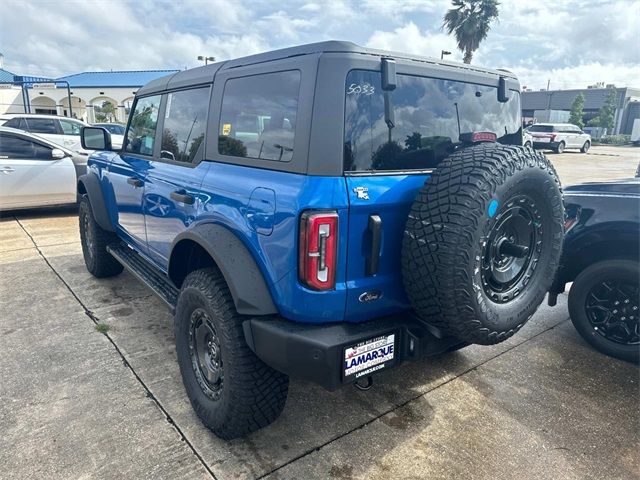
pixel 57 154
pixel 503 93
pixel 95 138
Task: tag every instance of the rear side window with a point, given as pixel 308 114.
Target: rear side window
pixel 41 125
pixel 185 120
pixel 21 148
pixel 142 128
pixel 430 116
pixel 258 117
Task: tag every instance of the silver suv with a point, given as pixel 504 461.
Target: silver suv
pixel 559 136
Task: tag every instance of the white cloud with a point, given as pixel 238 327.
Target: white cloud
pixel 410 39
pixel 574 42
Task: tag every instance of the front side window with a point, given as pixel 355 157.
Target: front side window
pixel 142 128
pixel 258 117
pixel 430 114
pixel 185 121
pixel 22 149
pixel 41 125
pixel 70 128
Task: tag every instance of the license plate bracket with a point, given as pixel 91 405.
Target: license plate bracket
pixel 369 356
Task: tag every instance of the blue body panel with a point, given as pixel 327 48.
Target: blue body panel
pixel 262 208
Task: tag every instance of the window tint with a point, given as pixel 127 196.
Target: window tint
pixel 113 128
pixel 258 117
pixel 185 120
pixel 20 148
pixel 541 128
pixel 14 123
pixel 142 128
pixel 430 116
pixel 41 125
pixel 70 128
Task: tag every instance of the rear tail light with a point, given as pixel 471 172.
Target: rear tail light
pixel 475 137
pixel 318 249
pixel 552 137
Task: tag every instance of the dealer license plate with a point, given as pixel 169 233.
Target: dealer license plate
pixel 369 356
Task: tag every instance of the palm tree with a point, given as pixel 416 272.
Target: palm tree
pixel 470 21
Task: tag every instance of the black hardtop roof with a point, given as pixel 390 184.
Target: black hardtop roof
pixel 201 75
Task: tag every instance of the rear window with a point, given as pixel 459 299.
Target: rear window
pixel 258 117
pixel 430 116
pixel 541 128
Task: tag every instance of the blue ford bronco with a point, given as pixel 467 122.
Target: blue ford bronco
pixel 325 212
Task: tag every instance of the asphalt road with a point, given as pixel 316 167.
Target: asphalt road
pixel 76 403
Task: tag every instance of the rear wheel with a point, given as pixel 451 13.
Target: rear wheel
pixel 604 307
pixel 585 147
pixel 528 144
pixel 94 240
pixel 230 388
pixel 560 147
pixel 483 241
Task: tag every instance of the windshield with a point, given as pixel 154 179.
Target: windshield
pixel 541 128
pixel 430 115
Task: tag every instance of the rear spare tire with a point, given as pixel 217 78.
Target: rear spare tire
pixel 483 241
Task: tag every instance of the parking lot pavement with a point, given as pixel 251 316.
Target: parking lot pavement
pixel 540 405
pixel 600 163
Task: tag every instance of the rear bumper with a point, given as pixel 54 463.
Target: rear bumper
pixel 317 352
pixel 548 145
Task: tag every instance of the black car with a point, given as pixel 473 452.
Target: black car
pixel 601 258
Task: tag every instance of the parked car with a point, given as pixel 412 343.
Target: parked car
pixel 35 172
pixel 112 128
pixel 559 137
pixel 602 258
pixel 290 245
pixel 61 130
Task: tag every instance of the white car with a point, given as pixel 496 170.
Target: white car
pixel 559 137
pixel 61 130
pixel 35 172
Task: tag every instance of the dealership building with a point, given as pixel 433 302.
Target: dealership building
pixel 628 104
pixel 80 95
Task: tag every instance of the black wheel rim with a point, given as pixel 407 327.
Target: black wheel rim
pixel 612 311
pixel 511 251
pixel 88 234
pixel 206 355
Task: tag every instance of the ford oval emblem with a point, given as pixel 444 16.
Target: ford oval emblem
pixel 371 296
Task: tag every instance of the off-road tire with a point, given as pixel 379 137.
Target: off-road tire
pixel 252 394
pixel 612 270
pixel 94 240
pixel 560 148
pixel 585 147
pixel 447 231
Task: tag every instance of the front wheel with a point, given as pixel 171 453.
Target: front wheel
pixel 94 240
pixel 230 388
pixel 585 147
pixel 560 147
pixel 603 305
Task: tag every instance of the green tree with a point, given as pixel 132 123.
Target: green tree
pixel 575 117
pixel 470 22
pixel 606 114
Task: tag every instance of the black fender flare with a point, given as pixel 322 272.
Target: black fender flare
pixel 90 183
pixel 248 287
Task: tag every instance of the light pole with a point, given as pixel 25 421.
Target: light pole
pixel 443 53
pixel 206 59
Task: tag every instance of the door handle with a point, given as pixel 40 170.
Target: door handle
pixel 7 170
pixel 375 227
pixel 136 182
pixel 183 197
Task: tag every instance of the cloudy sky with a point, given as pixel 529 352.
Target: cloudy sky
pixel 572 42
